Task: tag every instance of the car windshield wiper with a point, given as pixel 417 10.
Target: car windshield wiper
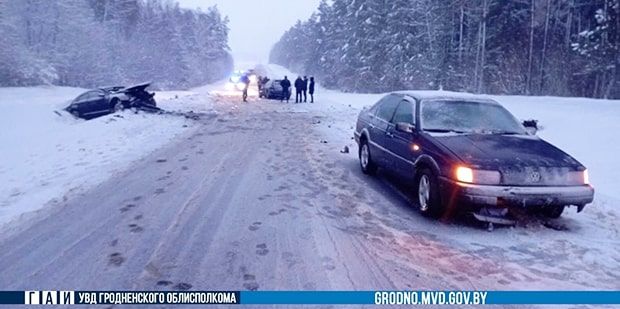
pixel 444 131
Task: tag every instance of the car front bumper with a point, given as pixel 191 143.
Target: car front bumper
pixel 484 195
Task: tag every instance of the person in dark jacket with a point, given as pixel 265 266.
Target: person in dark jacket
pixel 259 83
pixel 311 89
pixel 299 86
pixel 286 89
pixel 305 89
pixel 246 84
pixel 262 82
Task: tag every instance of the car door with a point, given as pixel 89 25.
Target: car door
pixel 379 126
pixel 401 146
pixel 87 106
pixel 99 103
pixel 80 103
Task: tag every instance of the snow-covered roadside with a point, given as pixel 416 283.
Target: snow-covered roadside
pixel 45 157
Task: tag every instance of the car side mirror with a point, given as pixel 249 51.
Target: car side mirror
pixel 405 127
pixel 531 126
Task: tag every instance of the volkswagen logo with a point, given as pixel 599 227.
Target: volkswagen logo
pixel 534 177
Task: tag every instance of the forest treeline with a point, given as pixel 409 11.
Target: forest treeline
pixel 533 47
pixel 91 43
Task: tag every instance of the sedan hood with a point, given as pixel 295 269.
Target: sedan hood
pixel 520 159
pixel 494 151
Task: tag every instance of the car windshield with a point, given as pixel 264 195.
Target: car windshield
pixel 468 117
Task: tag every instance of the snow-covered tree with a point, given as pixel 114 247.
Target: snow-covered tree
pixel 599 50
pixel 99 42
pixel 561 47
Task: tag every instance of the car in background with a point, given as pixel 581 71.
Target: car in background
pixel 463 152
pixel 273 90
pixel 106 100
pixel 235 83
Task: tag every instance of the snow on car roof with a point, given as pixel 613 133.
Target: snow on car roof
pixel 445 95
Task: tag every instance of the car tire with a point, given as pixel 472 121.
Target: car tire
pixel 553 212
pixel 117 106
pixel 367 165
pixel 427 192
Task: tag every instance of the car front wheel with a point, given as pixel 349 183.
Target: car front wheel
pixel 429 203
pixel 366 163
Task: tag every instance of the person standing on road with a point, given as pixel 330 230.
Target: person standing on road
pixel 259 83
pixel 299 86
pixel 305 89
pixel 311 89
pixel 246 84
pixel 286 89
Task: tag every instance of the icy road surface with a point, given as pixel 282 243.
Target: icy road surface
pixel 260 198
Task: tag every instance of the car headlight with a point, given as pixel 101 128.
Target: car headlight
pixel 576 178
pixel 483 177
pixel 464 174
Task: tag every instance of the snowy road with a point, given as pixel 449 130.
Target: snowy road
pixel 236 204
pixel 254 199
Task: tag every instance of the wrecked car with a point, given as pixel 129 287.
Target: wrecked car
pixel 106 100
pixel 273 90
pixel 463 152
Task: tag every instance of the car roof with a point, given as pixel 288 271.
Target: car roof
pixel 428 95
pixel 111 88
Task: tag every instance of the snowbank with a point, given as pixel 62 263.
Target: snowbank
pixel 46 156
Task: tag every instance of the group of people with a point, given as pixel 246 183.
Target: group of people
pixel 302 88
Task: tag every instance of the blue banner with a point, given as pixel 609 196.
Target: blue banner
pixel 454 298
pixel 553 297
pixel 431 297
pixel 307 297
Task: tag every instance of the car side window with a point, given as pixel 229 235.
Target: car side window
pixel 373 110
pixel 91 95
pixel 404 113
pixel 387 106
pixel 82 97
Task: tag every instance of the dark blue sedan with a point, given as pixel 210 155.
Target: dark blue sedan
pixel 273 90
pixel 465 152
pixel 106 100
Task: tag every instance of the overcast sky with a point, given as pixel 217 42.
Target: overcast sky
pixel 255 25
